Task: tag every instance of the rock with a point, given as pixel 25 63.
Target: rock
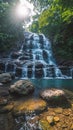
pixel 3 101
pixel 29 106
pixel 4 93
pixel 44 125
pixel 22 87
pixel 34 120
pixel 10 67
pixel 39 73
pixel 64 126
pixel 58 110
pixel 7 108
pixel 15 55
pixel 56 119
pixel 2 66
pixel 50 119
pixel 6 121
pixel 1 84
pixel 67 112
pixel 72 105
pixel 18 72
pixel 5 77
pixel 51 71
pixel 71 127
pixel 51 93
pixel 54 96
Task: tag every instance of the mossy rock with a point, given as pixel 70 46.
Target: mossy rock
pixel 22 87
pixel 30 105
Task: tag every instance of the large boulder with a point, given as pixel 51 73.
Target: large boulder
pixel 54 96
pixel 5 77
pixel 22 87
pixel 29 106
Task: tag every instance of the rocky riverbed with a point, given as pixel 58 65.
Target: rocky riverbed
pixel 25 112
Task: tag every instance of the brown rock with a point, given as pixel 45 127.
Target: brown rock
pixel 71 127
pixel 30 105
pixel 8 108
pixel 64 126
pixel 58 110
pixel 67 112
pixel 56 119
pixel 50 119
pixel 44 125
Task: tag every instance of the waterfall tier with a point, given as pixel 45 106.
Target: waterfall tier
pixel 33 60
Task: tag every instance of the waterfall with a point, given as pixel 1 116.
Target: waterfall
pixel 34 59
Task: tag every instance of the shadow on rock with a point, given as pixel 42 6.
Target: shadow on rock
pixel 55 98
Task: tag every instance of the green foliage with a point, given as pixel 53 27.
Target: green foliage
pixel 56 22
pixel 34 27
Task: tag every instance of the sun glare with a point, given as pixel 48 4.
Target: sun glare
pixel 25 9
pixel 22 11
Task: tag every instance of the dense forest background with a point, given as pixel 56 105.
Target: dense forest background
pixel 54 19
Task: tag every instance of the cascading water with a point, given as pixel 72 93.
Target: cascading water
pixel 34 59
pixel 29 122
pixel 39 48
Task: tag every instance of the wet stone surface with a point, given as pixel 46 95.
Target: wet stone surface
pixel 28 113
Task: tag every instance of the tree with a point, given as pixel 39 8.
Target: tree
pixel 10 29
pixel 56 22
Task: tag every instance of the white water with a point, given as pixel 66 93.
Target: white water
pixel 28 122
pixel 36 52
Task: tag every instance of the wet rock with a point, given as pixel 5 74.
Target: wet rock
pixel 30 70
pixel 71 127
pixel 30 105
pixel 18 72
pixel 2 66
pixel 64 126
pixel 39 73
pixel 54 96
pixel 6 121
pixel 22 87
pixel 5 77
pixel 15 55
pixel 44 125
pixel 56 119
pixel 58 110
pixel 51 71
pixel 34 120
pixel 65 70
pixel 10 67
pixel 41 40
pixel 30 73
pixel 72 105
pixel 3 101
pixel 50 119
pixel 24 58
pixel 4 93
pixel 66 112
pixel 1 84
pixel 6 108
pixel 39 65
